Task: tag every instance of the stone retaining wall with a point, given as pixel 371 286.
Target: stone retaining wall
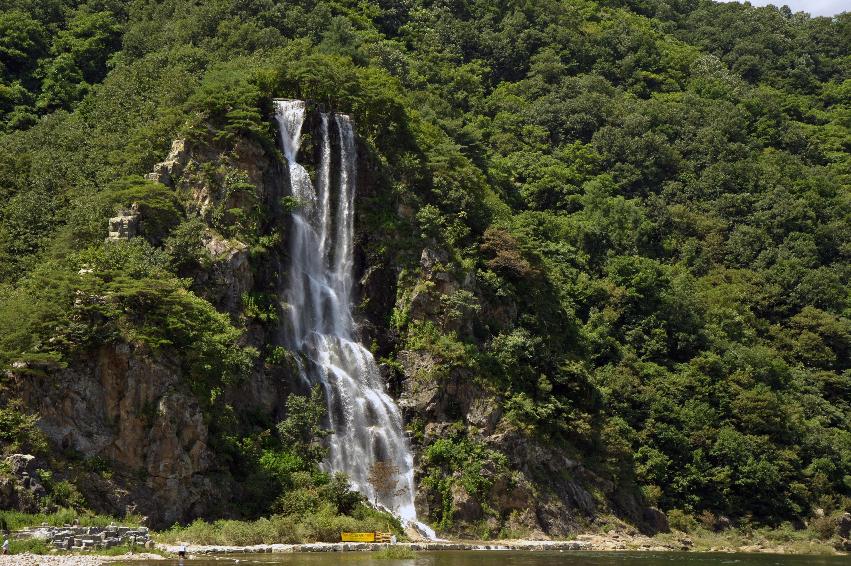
pixel 84 538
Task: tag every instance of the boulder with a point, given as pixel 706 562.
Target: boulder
pixel 20 464
pixel 843 526
pixel 655 520
pixel 581 497
pixel 466 507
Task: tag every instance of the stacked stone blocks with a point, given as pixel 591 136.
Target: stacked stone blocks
pixel 88 538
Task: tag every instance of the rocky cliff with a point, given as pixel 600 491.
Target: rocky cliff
pixel 145 442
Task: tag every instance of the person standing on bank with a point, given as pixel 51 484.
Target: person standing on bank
pixel 6 544
pixel 181 551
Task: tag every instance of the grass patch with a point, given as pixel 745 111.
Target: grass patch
pixel 321 526
pixel 802 541
pixel 125 549
pixel 15 520
pixel 29 545
pixel 395 552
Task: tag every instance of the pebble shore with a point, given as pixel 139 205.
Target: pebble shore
pixel 27 559
pixel 361 547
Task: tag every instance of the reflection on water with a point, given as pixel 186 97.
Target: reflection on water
pixel 506 558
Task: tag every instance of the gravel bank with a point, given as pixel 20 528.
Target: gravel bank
pixel 70 559
pixel 194 549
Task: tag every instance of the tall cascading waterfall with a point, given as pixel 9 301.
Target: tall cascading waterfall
pixel 366 423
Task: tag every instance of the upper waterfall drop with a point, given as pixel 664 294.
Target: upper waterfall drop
pixel 365 421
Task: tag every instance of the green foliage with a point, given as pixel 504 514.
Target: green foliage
pixel 120 291
pixel 185 245
pixel 260 307
pixel 19 432
pixel 681 521
pixel 30 546
pixel 50 58
pixel 157 207
pixel 469 463
pixel 301 431
pixel 425 335
pixel 321 526
pixel 162 313
pixel 230 102
pixel 15 520
pixel 63 494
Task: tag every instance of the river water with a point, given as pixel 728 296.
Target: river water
pixel 522 558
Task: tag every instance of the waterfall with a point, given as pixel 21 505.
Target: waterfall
pixel 365 421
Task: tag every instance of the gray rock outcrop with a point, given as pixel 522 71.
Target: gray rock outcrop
pixel 22 489
pixel 168 171
pixel 125 225
pixel 126 406
pixel 843 526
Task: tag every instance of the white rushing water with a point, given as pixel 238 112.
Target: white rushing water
pixel 365 421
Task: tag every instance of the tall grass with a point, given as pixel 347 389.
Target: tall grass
pixel 29 545
pixel 15 520
pixel 791 540
pixel 321 526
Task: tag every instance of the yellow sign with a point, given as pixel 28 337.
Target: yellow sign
pixel 357 537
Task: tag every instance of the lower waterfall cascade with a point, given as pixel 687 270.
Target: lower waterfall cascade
pixel 365 422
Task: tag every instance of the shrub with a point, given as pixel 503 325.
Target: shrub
pixel 19 433
pixel 823 527
pixel 185 245
pixel 15 520
pixel 681 521
pixel 395 553
pixel 30 545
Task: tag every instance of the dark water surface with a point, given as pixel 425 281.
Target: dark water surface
pixel 523 558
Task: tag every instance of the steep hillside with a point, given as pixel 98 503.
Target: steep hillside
pixel 602 253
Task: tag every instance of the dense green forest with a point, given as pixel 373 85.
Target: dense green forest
pixel 652 197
